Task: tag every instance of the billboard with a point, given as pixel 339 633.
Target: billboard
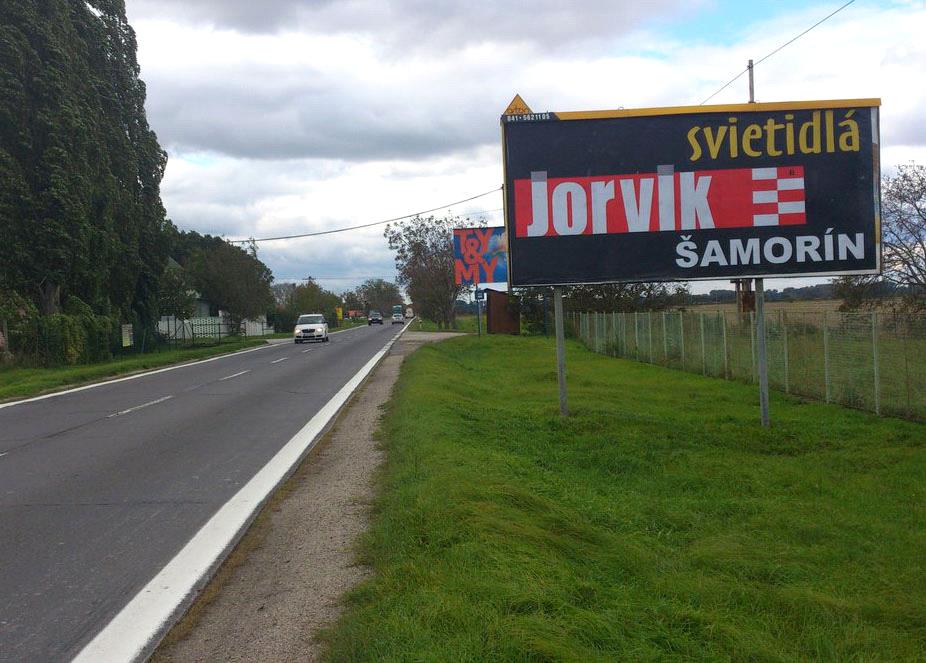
pixel 705 192
pixel 480 255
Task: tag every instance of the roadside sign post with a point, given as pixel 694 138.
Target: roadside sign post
pixel 480 295
pixel 761 351
pixel 560 349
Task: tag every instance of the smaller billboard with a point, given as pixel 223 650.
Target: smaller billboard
pixel 480 255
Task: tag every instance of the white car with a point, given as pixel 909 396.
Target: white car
pixel 311 327
pixel 398 318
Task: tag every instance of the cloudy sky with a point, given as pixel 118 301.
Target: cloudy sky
pixel 291 116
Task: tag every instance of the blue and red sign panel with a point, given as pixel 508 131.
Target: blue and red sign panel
pixel 480 255
pixel 751 190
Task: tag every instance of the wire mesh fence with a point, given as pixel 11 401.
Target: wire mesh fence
pixel 66 340
pixel 871 361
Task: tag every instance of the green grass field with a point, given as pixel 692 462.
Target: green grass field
pixel 18 382
pixel 464 323
pixel 659 522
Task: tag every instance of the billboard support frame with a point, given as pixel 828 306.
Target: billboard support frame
pixel 560 349
pixel 761 340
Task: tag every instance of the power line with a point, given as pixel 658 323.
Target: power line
pixel 766 57
pixel 365 225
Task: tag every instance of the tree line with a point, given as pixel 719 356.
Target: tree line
pixel 295 299
pixel 85 242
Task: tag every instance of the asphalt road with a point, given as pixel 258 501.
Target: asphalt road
pixel 100 488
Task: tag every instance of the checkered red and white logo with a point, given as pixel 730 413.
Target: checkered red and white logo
pixel 778 196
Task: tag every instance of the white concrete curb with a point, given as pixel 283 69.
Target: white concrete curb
pixel 137 629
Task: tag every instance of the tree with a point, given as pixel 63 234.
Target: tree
pixel 903 213
pixel 310 297
pixel 424 260
pixel 903 242
pixel 379 294
pixel 283 294
pixel 233 279
pixel 176 296
pixel 626 297
pixel 80 169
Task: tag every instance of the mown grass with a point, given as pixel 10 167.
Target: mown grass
pixel 659 522
pixel 463 323
pixel 17 382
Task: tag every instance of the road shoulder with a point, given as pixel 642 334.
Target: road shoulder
pixel 284 582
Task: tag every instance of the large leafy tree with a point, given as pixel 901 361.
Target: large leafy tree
pixel 230 277
pixel 80 169
pixel 379 295
pixel 424 259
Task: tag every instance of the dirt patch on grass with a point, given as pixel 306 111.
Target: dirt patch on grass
pixel 284 581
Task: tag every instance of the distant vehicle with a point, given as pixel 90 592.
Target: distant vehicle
pixel 409 313
pixel 397 310
pixel 375 318
pixel 398 318
pixel 311 327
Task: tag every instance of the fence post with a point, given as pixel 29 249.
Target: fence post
pixel 723 326
pixel 783 323
pixel 602 333
pixel 665 341
pixel 752 342
pixel 649 324
pixel 617 345
pixel 681 336
pixel 636 334
pixel 874 358
pixel 826 358
pixel 624 333
pixel 703 348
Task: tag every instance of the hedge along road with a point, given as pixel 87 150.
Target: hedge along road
pixel 101 487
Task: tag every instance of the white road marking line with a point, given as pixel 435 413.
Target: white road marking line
pixel 4 454
pixel 137 376
pixel 137 628
pixel 139 407
pixel 277 361
pixel 229 377
pixel 304 351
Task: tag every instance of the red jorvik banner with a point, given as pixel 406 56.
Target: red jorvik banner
pixel 661 201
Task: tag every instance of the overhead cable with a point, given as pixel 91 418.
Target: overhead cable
pixel 364 225
pixel 767 56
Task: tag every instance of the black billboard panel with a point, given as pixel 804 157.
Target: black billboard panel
pixel 707 192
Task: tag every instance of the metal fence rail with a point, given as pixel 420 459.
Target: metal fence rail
pixel 872 361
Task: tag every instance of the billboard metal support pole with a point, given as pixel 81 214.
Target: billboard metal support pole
pixel 560 349
pixel 761 347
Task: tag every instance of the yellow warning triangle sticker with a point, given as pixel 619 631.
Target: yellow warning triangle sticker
pixel 517 107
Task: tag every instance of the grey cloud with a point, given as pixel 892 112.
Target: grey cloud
pixel 265 112
pixel 906 129
pixel 349 259
pixel 411 24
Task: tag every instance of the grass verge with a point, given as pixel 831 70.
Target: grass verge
pixel 464 323
pixel 659 522
pixel 16 382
